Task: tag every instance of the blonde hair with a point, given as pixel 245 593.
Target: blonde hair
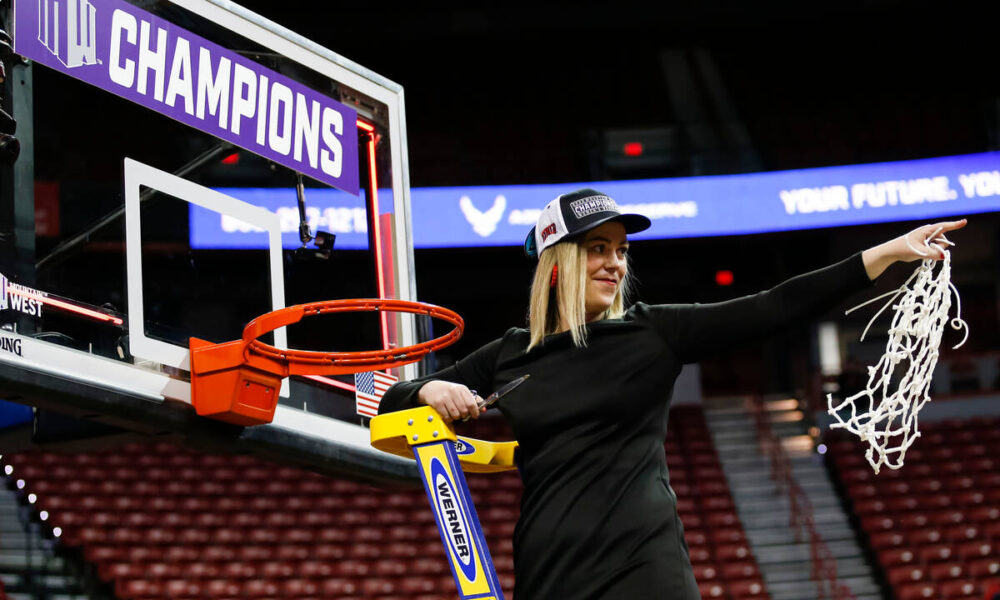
pixel 568 299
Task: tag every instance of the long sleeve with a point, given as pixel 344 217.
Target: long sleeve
pixel 475 371
pixel 695 331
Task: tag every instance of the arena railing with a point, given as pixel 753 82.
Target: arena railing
pixel 801 514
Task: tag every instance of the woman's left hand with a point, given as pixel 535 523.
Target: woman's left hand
pixel 928 241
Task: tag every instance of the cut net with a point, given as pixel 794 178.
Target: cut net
pixel 884 414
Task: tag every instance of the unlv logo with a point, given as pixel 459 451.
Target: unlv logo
pixel 548 231
pixel 66 28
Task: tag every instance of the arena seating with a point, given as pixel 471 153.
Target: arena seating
pixel 934 524
pixel 159 521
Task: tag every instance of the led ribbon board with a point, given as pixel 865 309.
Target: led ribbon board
pixel 681 207
pixel 133 54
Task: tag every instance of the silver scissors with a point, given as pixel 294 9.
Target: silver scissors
pixel 503 391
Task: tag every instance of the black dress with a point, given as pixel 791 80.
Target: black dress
pixel 598 516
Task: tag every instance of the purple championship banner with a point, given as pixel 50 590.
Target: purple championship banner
pixel 133 54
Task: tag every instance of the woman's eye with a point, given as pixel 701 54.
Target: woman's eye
pixel 599 248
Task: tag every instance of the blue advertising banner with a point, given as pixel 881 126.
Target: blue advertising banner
pixel 129 52
pixel 682 207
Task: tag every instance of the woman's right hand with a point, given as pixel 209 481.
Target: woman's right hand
pixel 453 401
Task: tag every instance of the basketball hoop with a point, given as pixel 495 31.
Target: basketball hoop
pixel 238 381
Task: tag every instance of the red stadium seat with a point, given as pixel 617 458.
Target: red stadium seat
pixel 201 570
pixel 138 588
pixel 720 502
pixel 390 568
pixel 712 590
pixel 111 571
pixel 100 554
pixel 503 562
pixel 239 570
pixel 937 553
pixel 970 499
pixel 705 572
pixel 982 465
pixel 897 557
pixel 723 519
pixel 887 539
pixel 737 570
pixel 928 486
pixel 974 550
pixel 747 588
pixel 299 588
pixel 964 588
pixel 866 507
pixel 985 514
pixel 261 588
pixel 351 568
pixel 374 586
pixel 320 552
pixel 862 490
pixel 963 533
pixel 700 555
pixel 219 553
pixel 277 569
pixel 948 517
pixel 728 552
pixel 913 520
pixel 878 523
pixel 728 535
pixel 182 588
pixel 919 591
pixel 695 537
pixel 983 568
pixel 948 570
pixel 416 585
pixel 429 566
pixel 899 576
pixel 927 535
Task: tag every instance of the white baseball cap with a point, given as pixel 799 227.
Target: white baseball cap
pixel 575 213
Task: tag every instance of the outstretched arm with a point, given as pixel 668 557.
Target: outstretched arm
pixel 696 331
pixel 923 242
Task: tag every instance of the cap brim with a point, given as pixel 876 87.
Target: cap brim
pixel 634 223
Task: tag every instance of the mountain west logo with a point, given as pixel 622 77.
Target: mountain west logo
pixel 18 297
pixel 483 223
pixel 67 28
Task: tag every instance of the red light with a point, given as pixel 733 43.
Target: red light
pixel 724 278
pixel 633 149
pixel 232 159
pixel 373 182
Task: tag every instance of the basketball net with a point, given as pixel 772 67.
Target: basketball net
pixel 884 414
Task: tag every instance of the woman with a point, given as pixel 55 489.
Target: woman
pixel 598 516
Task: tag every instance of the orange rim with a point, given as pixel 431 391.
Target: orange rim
pixel 307 362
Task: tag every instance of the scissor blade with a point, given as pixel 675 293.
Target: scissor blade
pixel 503 391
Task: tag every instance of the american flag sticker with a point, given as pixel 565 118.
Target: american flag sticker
pixel 369 389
